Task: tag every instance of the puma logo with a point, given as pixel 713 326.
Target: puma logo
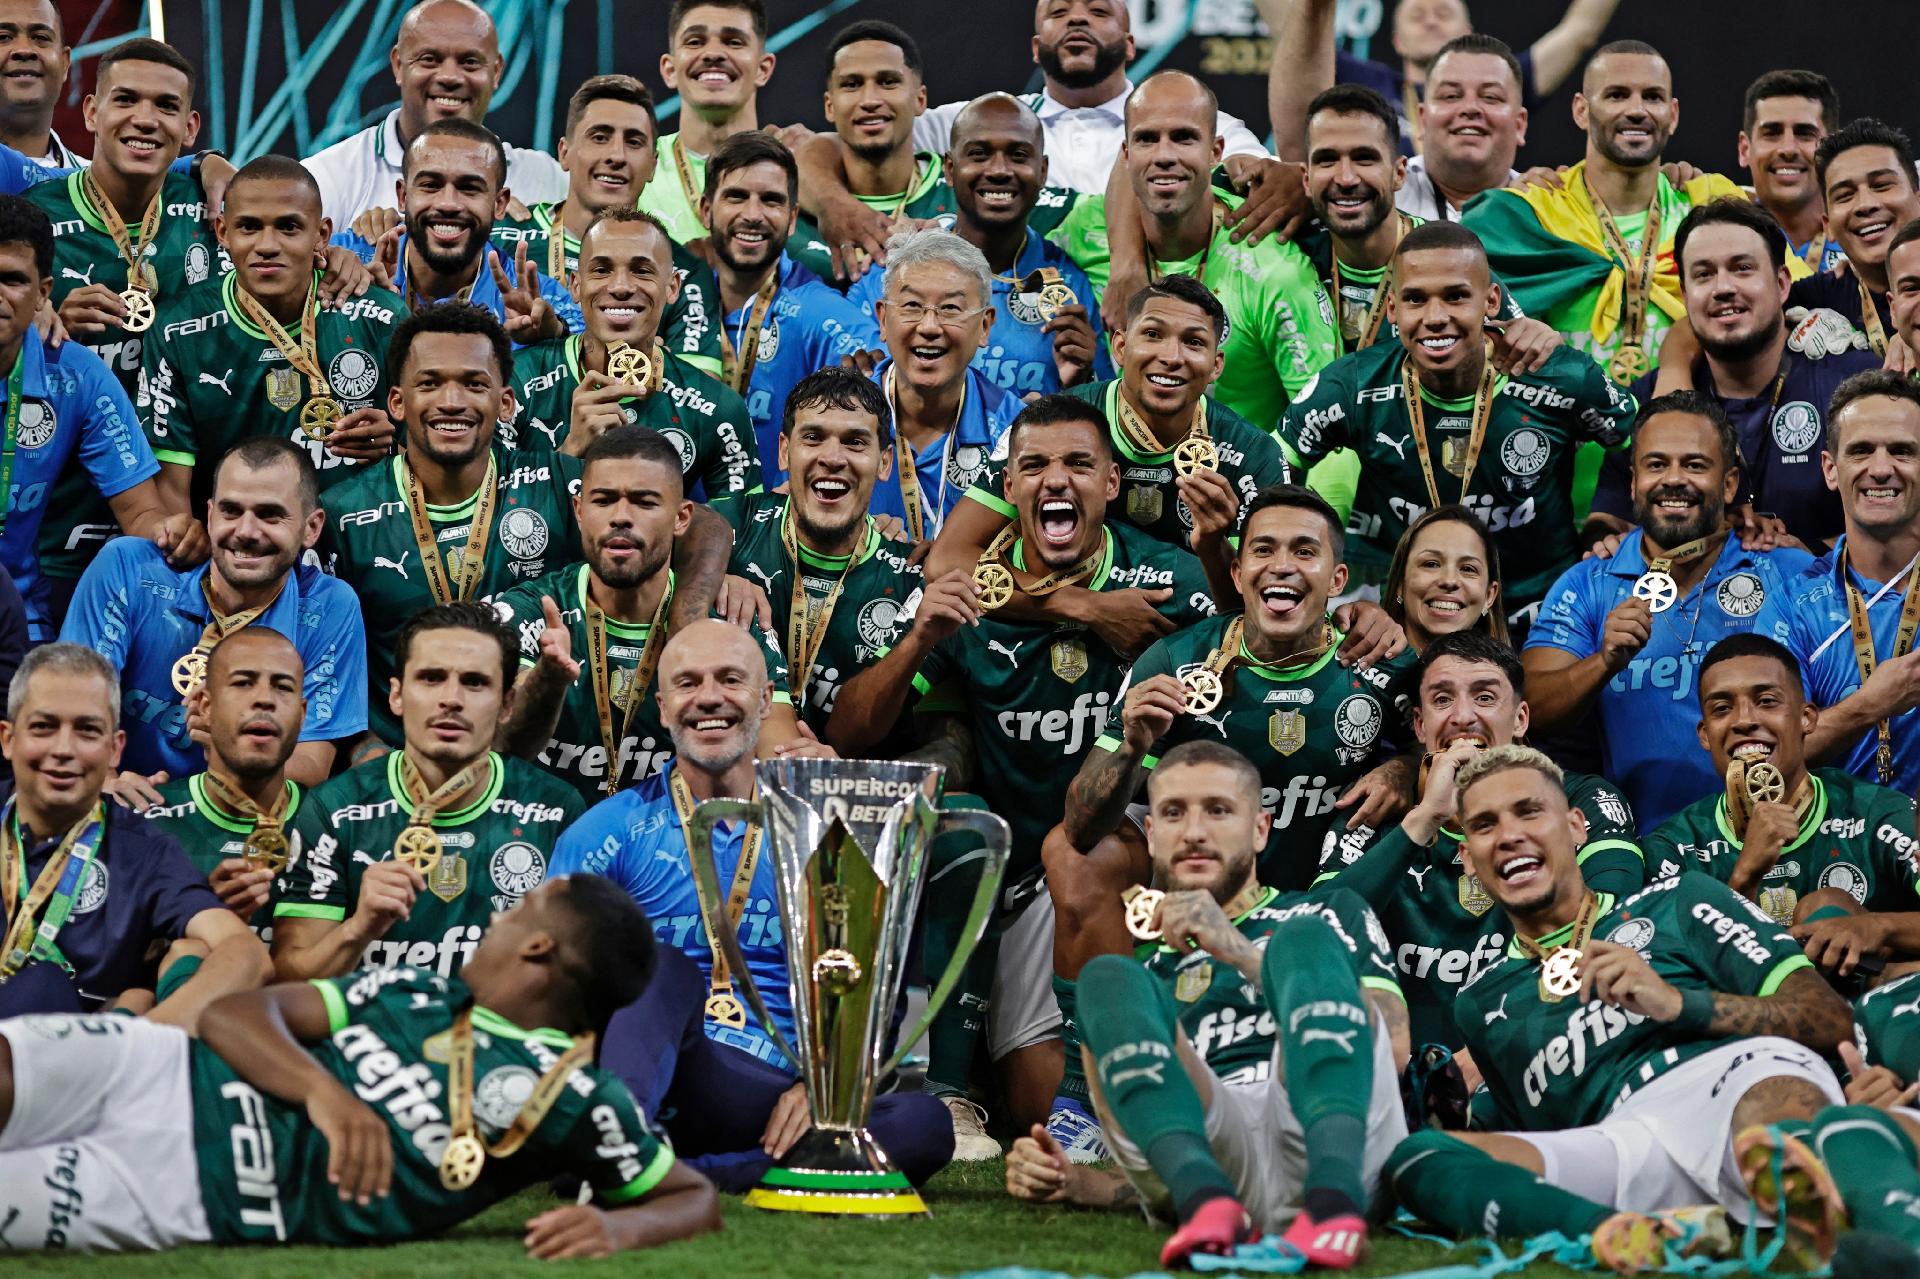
pixel 86 277
pixel 1399 446
pixel 1902 1009
pixel 208 379
pixel 1419 874
pixel 1216 722
pixel 765 577
pixel 1013 658
pixel 1500 1013
pixel 1342 1037
pixel 551 432
pixel 399 566
pixel 1153 1072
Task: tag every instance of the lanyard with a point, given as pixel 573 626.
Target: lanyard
pixel 1477 435
pixel 266 843
pixel 685 170
pixel 1630 361
pixel 450 584
pixel 908 462
pixel 190 670
pixel 416 844
pixel 1200 270
pixel 557 242
pixel 1867 659
pixel 1141 435
pixel 720 984
pixel 1560 966
pixel 739 355
pixel 55 888
pixel 321 413
pixel 994 579
pixel 596 624
pixel 1870 318
pixel 806 624
pixel 1377 308
pixel 466 1154
pixel 1685 553
pixel 140 272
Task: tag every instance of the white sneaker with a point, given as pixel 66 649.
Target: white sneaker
pixel 970 1141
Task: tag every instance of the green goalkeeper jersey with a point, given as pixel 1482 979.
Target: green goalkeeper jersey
pixel 691 326
pixel 1856 837
pixel 493 852
pixel 701 416
pixel 263 1163
pixel 1444 923
pixel 210 377
pixel 1225 1015
pixel 1312 730
pixel 1566 1064
pixel 369 543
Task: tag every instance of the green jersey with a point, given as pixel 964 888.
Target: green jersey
pixel 673 195
pixel 576 751
pixel 1312 730
pixel 1443 921
pixel 1038 694
pixel 493 852
pixel 699 414
pixel 208 832
pixel 1886 1026
pixel 875 587
pixel 1856 837
pixel 691 326
pixel 1225 1015
pixel 1356 290
pixel 1522 481
pixel 369 542
pixel 184 252
pixel 1565 1064
pixel 1280 326
pixel 210 376
pixel 263 1163
pixel 1149 499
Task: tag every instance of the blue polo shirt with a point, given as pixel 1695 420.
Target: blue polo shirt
pixel 1821 612
pixel 634 839
pixel 486 292
pixel 955 462
pixel 1649 708
pixel 143 615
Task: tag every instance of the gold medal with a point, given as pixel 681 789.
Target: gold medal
pixel 1628 363
pixel 1204 691
pixel 628 364
pixel 836 971
pixel 462 1161
pixel 139 304
pixel 1194 454
pixel 726 1010
pixel 319 415
pixel 418 847
pixel 994 583
pixel 1765 783
pixel 1560 974
pixel 1143 909
pixel 189 672
pixel 1053 298
pixel 1659 590
pixel 265 849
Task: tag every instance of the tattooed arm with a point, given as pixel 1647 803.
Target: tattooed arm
pixel 1392 1007
pixel 1804 1008
pixel 1098 797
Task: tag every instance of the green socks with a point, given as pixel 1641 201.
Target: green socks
pixel 1326 1043
pixel 1442 1179
pixel 1872 1161
pixel 955 1040
pixel 1129 1027
pixel 1073 1081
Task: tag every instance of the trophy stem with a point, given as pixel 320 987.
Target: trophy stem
pixel 838 1172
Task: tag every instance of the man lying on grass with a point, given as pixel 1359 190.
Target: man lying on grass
pixel 368 1108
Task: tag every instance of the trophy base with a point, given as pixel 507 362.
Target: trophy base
pixel 838 1173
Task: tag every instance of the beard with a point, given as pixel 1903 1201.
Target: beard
pixel 1625 159
pixel 275 568
pixel 641 568
pixel 1379 209
pixel 1734 350
pixel 776 245
pixel 1704 521
pixel 823 533
pixel 453 457
pixel 1110 59
pixel 443 259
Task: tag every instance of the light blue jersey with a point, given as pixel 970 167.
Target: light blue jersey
pixel 949 466
pixel 1820 626
pixel 486 291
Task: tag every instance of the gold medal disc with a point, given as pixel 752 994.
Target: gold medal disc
pixel 1659 590
pixel 139 304
pixel 1628 363
pixel 1766 784
pixel 265 849
pixel 1204 691
pixel 1560 974
pixel 419 848
pixel 462 1161
pixel 994 583
pixel 629 364
pixel 726 1010
pixel 1195 454
pixel 319 415
pixel 1143 909
pixel 1052 298
pixel 189 672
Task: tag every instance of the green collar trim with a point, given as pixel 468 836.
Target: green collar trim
pixel 496 779
pixel 625 630
pixel 494 1024
pixel 1100 575
pixel 1808 826
pixel 543 218
pixel 435 514
pixel 218 816
pixel 1563 932
pixel 239 317
pixel 1287 674
pixel 926 176
pixel 1462 405
pixel 840 563
pixel 1122 444
pixel 1359 275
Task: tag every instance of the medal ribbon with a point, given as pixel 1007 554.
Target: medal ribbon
pixel 1199 271
pixel 132 252
pixel 738 356
pixel 240 805
pixel 220 627
pixel 425 810
pixel 557 241
pixel 1377 309
pixel 1638 271
pixel 448 586
pixel 1684 554
pixel 303 355
pixel 1866 658
pixel 545 1093
pixel 1870 319
pixel 596 623
pixel 1230 645
pixel 1576 942
pixel 685 170
pixel 1056 580
pixel 806 626
pixel 1477 434
pixel 1141 435
pixel 720 984
pixel 909 462
pixel 1740 804
pixel 55 888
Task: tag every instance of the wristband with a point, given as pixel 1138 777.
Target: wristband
pixel 1696 1011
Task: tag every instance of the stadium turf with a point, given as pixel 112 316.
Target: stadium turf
pixel 974 1227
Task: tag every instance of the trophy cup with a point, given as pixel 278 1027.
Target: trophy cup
pixel 849 842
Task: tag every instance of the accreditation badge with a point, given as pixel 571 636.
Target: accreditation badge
pixel 1474 897
pixel 1070 658
pixel 1144 503
pixel 283 388
pixel 1193 982
pixel 448 879
pixel 1287 731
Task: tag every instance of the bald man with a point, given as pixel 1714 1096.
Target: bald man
pixel 732 1102
pixel 446 62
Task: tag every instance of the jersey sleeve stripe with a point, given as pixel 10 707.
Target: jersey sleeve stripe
pixel 993 502
pixel 302 910
pixel 654 1174
pixel 336 1004
pixel 1785 969
pixel 1386 985
pixel 920 684
pixel 1605 845
pixel 172 457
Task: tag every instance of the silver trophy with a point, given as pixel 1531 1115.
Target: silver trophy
pixel 849 841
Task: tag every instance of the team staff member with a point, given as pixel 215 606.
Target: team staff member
pixel 1787 114
pixel 1866 174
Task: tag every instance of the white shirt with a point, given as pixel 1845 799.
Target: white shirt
pixel 1421 198
pixel 58 155
pixel 1082 142
pixel 361 172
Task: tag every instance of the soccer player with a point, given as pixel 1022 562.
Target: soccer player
pixel 591 719
pixel 1433 410
pixel 1281 326
pixel 157 624
pixel 732 1103
pixel 608 153
pixel 91 887
pixel 1607 231
pixel 1867 176
pixel 1787 113
pixel 443 819
pixel 779 321
pixel 1034 693
pixel 571 389
pixel 936 313
pixel 1302 1104
pixel 1047 333
pixel 327 1112
pixel 1625 1042
pixel 1772 384
pixel 839 590
pixel 1414 875
pixel 717 61
pixel 255 353
pixel 452 190
pixel 1625 633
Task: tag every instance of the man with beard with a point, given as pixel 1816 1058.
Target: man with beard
pixel 451 193
pixel 1593 257
pixel 1626 633
pixel 574 388
pixel 1773 384
pixel 1047 333
pixel 592 722
pixel 1628 1044
pixel 1866 173
pixel 1034 693
pixel 1787 115
pixel 157 624
pixel 254 353
pixel 839 590
pixel 609 154
pixel 778 322
pixel 730 1101
pixel 1304 1108
pixel 1280 330
pixel 446 63
pixel 404 860
pixel 1471 698
pixel 1434 409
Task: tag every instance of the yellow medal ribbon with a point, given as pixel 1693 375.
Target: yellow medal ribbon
pixel 447 584
pixel 1560 966
pixel 1870 319
pixel 417 845
pixel 1867 659
pixel 806 625
pixel 142 282
pixel 722 1005
pixel 738 358
pixel 1630 360
pixel 596 623
pixel 266 844
pixel 1476 436
pixel 1213 232
pixel 909 462
pixel 466 1155
pixel 991 573
pixel 19 944
pixel 321 412
pixel 190 671
pixel 1377 309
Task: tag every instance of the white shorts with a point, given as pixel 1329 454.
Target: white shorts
pixel 98 1154
pixel 1023 1011
pixel 1670 1145
pixel 1260 1144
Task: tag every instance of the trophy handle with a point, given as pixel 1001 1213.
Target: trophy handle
pixel 993 831
pixel 700 857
